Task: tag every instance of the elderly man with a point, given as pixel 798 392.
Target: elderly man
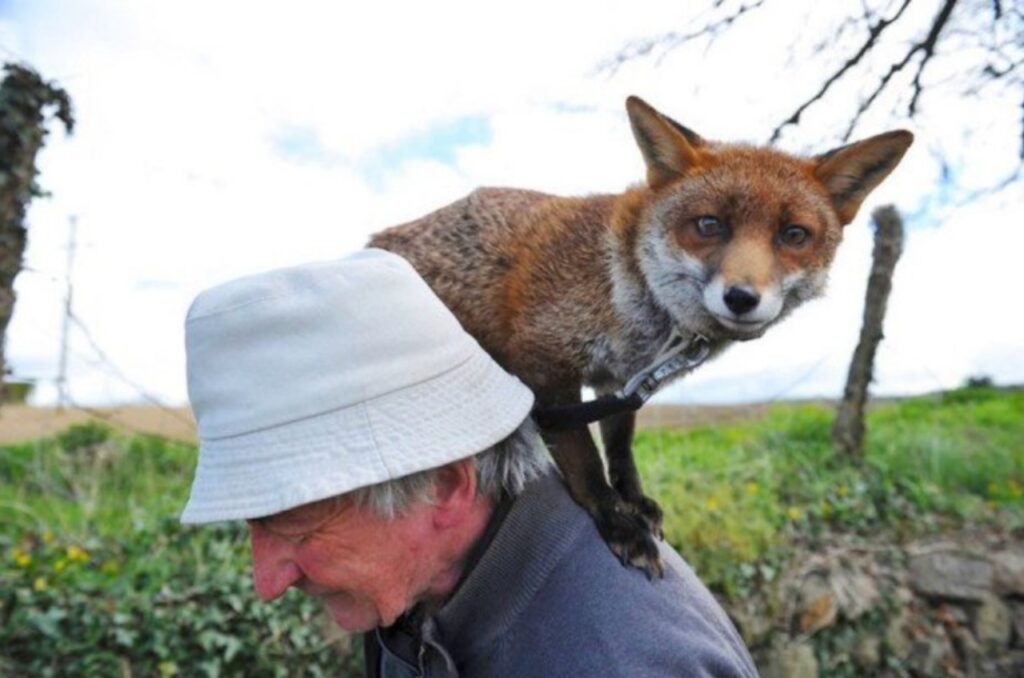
pixel 388 466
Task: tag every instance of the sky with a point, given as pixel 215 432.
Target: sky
pixel 215 140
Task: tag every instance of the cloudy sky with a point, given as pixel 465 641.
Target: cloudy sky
pixel 217 139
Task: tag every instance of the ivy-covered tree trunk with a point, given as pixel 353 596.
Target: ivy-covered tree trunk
pixel 25 99
pixel 848 432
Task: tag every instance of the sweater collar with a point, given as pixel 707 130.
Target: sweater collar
pixel 533 537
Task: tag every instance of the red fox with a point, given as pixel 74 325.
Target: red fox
pixel 722 241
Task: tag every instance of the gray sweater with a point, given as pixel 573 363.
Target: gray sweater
pixel 547 598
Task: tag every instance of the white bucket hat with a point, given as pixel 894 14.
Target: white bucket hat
pixel 312 381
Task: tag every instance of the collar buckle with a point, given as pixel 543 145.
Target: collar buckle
pixel 675 356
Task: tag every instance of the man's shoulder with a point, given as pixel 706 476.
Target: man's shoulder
pixel 594 616
pixel 548 597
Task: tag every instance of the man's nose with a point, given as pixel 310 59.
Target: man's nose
pixel 273 568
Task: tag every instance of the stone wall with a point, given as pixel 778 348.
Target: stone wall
pixel 939 607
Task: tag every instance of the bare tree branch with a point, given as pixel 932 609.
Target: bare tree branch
pixel 669 41
pixel 874 32
pixel 928 48
pixel 963 48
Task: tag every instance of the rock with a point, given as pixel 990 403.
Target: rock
pixel 1009 573
pixel 753 625
pixel 927 655
pixel 818 605
pixel 968 649
pixel 855 592
pixel 947 572
pixel 951 615
pixel 868 651
pixel 993 624
pixel 903 595
pixel 1009 666
pixel 795 660
pixel 1017 613
pixel 896 637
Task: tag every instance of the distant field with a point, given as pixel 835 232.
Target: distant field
pixel 19 423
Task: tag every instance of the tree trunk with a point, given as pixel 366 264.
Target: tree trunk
pixel 24 99
pixel 848 432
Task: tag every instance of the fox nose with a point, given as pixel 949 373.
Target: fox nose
pixel 741 299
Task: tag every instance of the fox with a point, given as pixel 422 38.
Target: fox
pixel 720 241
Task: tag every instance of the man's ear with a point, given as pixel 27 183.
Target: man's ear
pixel 669 149
pixel 850 172
pixel 454 493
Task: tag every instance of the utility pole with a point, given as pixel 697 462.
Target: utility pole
pixel 62 372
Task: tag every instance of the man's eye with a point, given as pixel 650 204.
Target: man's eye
pixel 794 236
pixel 710 227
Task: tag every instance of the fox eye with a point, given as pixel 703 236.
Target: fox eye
pixel 710 227
pixel 794 236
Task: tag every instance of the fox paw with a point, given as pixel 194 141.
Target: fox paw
pixel 629 536
pixel 652 514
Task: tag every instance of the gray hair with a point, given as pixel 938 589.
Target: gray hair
pixel 507 466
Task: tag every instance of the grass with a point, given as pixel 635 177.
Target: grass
pixel 737 496
pixel 91 548
pixel 89 481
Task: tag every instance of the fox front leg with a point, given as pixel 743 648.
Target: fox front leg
pixel 626 532
pixel 617 434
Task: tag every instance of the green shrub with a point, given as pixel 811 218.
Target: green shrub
pixel 97 577
pixel 166 601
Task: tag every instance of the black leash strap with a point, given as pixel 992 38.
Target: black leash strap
pixel 565 417
pixel 675 357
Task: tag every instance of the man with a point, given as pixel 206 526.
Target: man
pixel 387 465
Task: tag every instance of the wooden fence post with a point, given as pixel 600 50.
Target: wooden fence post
pixel 848 431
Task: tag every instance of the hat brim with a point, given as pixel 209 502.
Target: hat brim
pixel 451 416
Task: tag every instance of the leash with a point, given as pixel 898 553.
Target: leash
pixel 675 356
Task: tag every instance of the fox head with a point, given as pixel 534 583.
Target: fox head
pixel 732 237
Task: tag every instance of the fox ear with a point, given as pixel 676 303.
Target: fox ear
pixel 850 172
pixel 669 149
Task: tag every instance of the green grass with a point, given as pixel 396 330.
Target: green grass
pixel 736 497
pixel 89 481
pixel 96 574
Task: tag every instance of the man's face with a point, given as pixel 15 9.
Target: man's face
pixel 368 570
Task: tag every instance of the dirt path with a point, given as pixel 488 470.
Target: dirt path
pixel 21 422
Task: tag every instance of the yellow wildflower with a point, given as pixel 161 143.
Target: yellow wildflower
pixel 712 504
pixel 794 513
pixel 60 565
pixel 826 508
pixel 21 559
pixel 78 554
pixel 842 490
pixel 47 537
pixel 109 567
pixel 39 584
pixel 751 487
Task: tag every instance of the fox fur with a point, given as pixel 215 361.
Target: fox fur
pixel 722 240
